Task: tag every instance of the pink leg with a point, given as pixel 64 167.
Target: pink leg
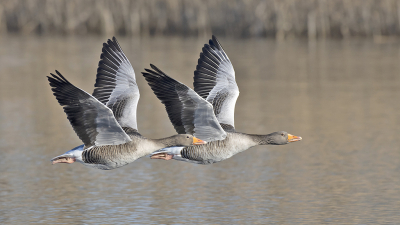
pixel 64 160
pixel 164 156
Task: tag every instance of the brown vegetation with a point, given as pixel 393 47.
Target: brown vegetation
pixel 240 18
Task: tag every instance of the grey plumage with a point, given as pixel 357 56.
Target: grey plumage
pixel 188 112
pixel 214 80
pixel 219 150
pixel 108 126
pixel 92 121
pixel 214 83
pixel 114 156
pixel 116 84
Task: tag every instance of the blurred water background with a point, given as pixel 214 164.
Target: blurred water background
pixel 340 91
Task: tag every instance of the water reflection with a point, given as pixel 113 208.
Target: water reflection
pixel 341 97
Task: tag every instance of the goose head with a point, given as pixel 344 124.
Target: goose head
pixel 281 138
pixel 187 140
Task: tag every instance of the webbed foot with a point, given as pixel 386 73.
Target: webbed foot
pixel 164 156
pixel 63 160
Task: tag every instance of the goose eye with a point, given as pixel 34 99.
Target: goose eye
pixel 283 134
pixel 187 136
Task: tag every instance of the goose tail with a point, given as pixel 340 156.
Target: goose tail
pixel 71 156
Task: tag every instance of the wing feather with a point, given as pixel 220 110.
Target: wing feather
pixel 91 120
pixel 116 84
pixel 188 112
pixel 214 80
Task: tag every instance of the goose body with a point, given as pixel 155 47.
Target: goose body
pixel 106 121
pixel 207 112
pixel 211 152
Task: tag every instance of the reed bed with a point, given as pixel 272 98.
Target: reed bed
pixel 239 18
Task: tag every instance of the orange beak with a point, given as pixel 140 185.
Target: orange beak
pixel 292 138
pixel 197 141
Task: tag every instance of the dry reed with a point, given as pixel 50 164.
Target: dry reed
pixel 240 18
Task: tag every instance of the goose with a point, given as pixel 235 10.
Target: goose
pixel 106 121
pixel 207 112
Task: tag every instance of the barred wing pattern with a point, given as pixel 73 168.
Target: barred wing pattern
pixel 188 112
pixel 116 84
pixel 214 80
pixel 91 120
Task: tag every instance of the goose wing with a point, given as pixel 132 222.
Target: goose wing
pixel 188 112
pixel 116 84
pixel 91 120
pixel 214 80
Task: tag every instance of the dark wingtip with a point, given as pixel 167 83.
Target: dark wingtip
pixel 111 44
pixel 51 78
pixel 149 70
pixel 153 67
pixel 62 77
pixel 158 71
pixel 214 42
pixel 54 80
pixel 114 39
pixel 150 74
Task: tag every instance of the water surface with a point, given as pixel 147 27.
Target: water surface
pixel 342 97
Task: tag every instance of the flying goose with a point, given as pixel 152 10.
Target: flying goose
pixel 106 120
pixel 208 111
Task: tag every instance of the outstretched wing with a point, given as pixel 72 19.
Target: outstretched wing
pixel 92 121
pixel 188 112
pixel 116 84
pixel 214 80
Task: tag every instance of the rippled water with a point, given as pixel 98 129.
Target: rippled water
pixel 342 97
